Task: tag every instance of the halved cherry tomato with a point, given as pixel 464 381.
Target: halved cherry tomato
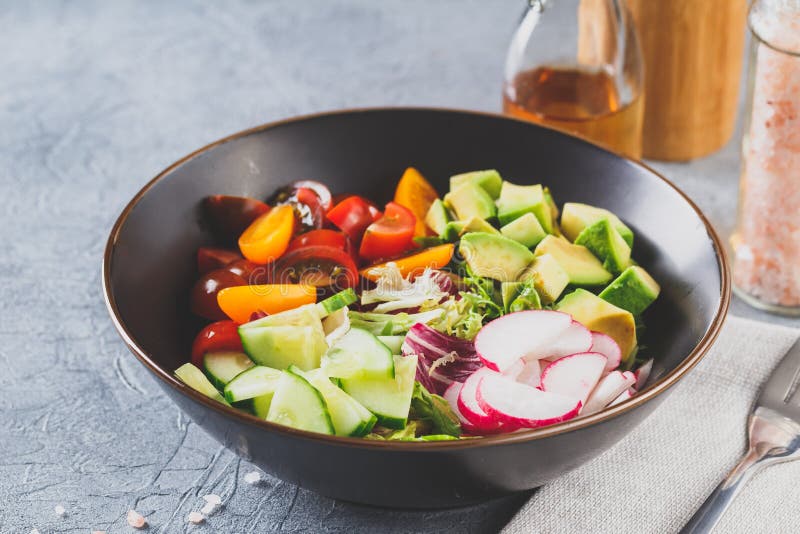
pixel 230 216
pixel 266 239
pixel 324 237
pixel 239 303
pixel 417 194
pixel 210 258
pixel 323 193
pixel 352 216
pixel 390 235
pixel 319 266
pixel 415 264
pixel 222 335
pixel 203 296
pixel 244 268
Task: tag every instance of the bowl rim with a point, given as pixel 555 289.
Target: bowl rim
pixel 650 393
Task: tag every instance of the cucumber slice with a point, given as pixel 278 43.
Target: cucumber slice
pixel 298 404
pixel 393 342
pixel 254 382
pixel 260 405
pixel 349 417
pixel 388 398
pixel 281 346
pixel 358 353
pixel 336 302
pixel 195 379
pixel 221 367
pixel 305 315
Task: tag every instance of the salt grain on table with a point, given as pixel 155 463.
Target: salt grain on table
pixel 60 511
pixel 212 499
pixel 195 517
pixel 135 519
pixel 253 477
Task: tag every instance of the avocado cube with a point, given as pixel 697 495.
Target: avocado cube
pixel 437 216
pixel 519 296
pixel 451 231
pixel 474 224
pixel 601 316
pixel 517 200
pixel 634 290
pixel 577 216
pixel 579 263
pixel 494 256
pixel 605 242
pixel 470 200
pixel 548 197
pixel 549 279
pixel 489 180
pixel 525 230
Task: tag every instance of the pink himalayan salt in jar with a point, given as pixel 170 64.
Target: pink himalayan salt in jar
pixel 767 241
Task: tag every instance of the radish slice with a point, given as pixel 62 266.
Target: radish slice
pixel 518 404
pixel 606 346
pixel 610 387
pixel 451 396
pixel 643 373
pixel 575 375
pixel 468 403
pixel 625 395
pixel 531 374
pixel 524 334
pixel 574 340
pixel 514 371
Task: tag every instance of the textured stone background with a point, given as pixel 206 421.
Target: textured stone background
pixel 97 97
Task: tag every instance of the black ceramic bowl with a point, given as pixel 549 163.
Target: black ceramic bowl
pixel 149 268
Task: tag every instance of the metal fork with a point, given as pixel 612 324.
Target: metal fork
pixel 773 436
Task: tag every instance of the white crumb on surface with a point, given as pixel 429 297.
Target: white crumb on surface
pixel 211 498
pixel 60 510
pixel 135 519
pixel 208 509
pixel 195 517
pixel 253 477
pixel 35 531
pixel 98 532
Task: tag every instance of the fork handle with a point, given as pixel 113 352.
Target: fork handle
pixel 708 515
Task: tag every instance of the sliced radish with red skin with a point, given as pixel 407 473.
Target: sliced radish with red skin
pixel 574 376
pixel 606 346
pixel 524 334
pixel 643 373
pixel 514 371
pixel 574 340
pixel 531 374
pixel 609 388
pixel 468 403
pixel 625 395
pixel 451 396
pixel 517 404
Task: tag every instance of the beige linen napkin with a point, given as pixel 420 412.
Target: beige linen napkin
pixel 657 476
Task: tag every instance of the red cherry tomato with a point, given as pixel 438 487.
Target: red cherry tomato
pixel 322 192
pixel 352 215
pixel 323 237
pixel 222 335
pixel 244 268
pixel 210 258
pixel 390 235
pixel 230 216
pixel 318 265
pixel 203 297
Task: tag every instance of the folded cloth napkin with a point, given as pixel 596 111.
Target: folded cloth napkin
pixel 657 476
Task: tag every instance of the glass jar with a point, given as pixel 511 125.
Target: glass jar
pixel 576 65
pixel 767 240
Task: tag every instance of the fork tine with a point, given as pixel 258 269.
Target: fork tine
pixel 784 381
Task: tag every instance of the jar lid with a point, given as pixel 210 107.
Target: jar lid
pixel 777 23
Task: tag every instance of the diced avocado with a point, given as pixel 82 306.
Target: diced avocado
pixel 470 200
pixel 634 290
pixel 494 256
pixel 517 200
pixel 474 224
pixel 601 316
pixel 437 216
pixel 451 231
pixel 547 276
pixel 603 240
pixel 489 180
pixel 548 197
pixel 519 296
pixel 428 241
pixel 577 216
pixel 525 230
pixel 580 265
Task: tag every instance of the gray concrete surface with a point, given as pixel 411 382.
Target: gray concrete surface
pixel 95 98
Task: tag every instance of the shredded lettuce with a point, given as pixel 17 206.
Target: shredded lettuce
pixel 433 408
pixel 394 292
pixel 391 324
